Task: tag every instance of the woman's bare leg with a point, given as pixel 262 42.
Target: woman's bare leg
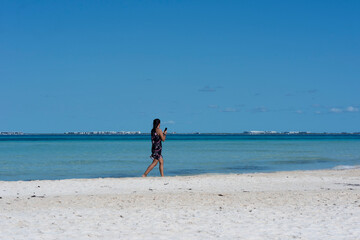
pixel 161 166
pixel 151 166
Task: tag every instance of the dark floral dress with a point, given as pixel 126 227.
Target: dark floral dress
pixel 156 146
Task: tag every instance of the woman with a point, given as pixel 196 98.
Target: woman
pixel 156 137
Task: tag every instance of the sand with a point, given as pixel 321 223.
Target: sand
pixel 285 205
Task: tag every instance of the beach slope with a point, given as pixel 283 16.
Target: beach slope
pixel 284 205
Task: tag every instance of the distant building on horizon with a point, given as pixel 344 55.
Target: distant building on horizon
pixel 11 133
pixel 260 132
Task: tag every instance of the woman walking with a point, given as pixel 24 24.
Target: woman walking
pixel 156 137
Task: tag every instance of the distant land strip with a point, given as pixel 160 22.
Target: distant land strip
pixel 245 133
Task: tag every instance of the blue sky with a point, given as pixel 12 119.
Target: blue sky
pixel 207 66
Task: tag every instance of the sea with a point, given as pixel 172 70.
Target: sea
pixel 52 157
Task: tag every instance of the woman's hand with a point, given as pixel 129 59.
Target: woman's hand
pixel 161 134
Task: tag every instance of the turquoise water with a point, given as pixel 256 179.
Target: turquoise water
pixel 62 156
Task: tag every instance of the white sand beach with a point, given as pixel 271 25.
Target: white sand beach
pixel 285 205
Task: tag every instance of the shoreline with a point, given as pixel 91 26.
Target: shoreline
pixel 336 168
pixel 179 178
pixel 293 204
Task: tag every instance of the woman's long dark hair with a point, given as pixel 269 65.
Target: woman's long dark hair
pixel 156 123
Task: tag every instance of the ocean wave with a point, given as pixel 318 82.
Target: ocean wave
pixel 346 167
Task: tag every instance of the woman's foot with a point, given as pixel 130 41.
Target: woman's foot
pixel 143 175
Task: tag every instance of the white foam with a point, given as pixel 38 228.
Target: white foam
pixel 346 167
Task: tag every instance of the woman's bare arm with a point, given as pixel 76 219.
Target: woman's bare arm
pixel 161 134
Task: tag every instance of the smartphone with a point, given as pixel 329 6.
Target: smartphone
pixel 165 129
